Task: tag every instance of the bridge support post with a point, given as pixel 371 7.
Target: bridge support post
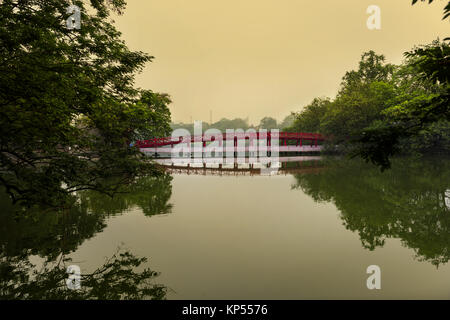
pixel 269 145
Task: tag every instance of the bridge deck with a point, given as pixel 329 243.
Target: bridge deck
pixel 224 150
pixel 283 137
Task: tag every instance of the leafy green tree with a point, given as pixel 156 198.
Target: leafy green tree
pixel 309 119
pixel 222 125
pixel 372 68
pixel 414 112
pixel 363 95
pixel 154 120
pixel 69 108
pixel 287 122
pixel 411 118
pixel 382 109
pixel 268 123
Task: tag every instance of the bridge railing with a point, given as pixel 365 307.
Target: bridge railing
pixel 160 142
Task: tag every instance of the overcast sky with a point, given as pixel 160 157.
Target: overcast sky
pixel 255 58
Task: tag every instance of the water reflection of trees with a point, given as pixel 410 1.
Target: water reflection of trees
pixel 150 194
pixel 409 202
pixel 54 234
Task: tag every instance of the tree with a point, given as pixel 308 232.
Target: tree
pixel 415 112
pixel 268 123
pixel 363 94
pixel 68 105
pixel 155 119
pixel 287 122
pixel 383 109
pixel 352 112
pixel 224 124
pixel 372 68
pixel 309 119
pixel 410 119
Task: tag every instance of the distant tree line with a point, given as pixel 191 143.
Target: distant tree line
pixel 223 124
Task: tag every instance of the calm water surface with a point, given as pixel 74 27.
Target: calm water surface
pixel 307 233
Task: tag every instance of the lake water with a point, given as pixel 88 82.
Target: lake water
pixel 308 232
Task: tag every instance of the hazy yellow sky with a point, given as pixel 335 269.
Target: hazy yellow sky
pixel 255 58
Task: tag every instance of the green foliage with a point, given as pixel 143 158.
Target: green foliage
pixel 413 113
pixel 268 123
pixel 309 119
pixel 68 106
pixel 222 125
pixel 363 95
pixel 154 120
pixel 372 68
pixel 54 234
pixel 416 116
pixel 287 122
pixel 382 110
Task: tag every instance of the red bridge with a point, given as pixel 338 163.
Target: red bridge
pixel 283 138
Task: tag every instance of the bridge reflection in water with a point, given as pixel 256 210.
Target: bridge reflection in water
pixel 243 166
pixel 240 143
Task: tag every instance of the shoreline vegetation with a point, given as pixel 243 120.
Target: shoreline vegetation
pixel 70 107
